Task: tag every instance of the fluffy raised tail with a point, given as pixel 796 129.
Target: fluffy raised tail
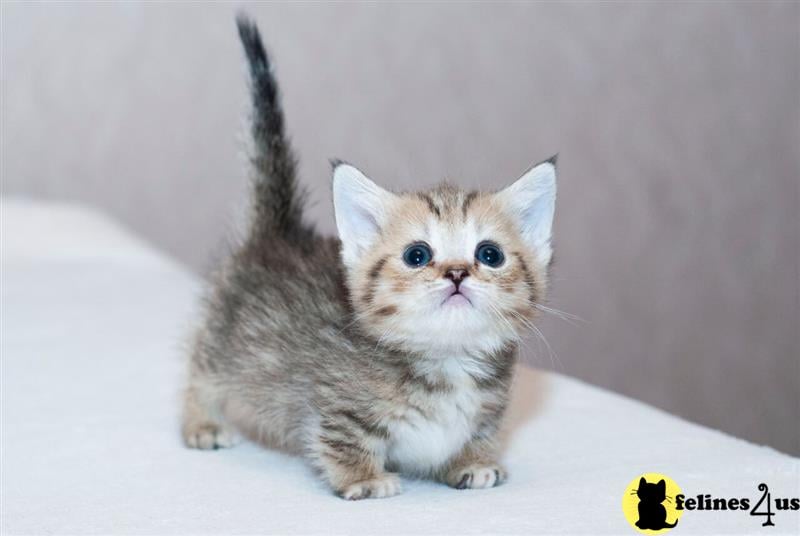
pixel 278 202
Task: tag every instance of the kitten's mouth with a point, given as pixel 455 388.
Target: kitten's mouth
pixel 457 299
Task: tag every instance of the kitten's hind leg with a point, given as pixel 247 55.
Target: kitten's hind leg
pixel 203 426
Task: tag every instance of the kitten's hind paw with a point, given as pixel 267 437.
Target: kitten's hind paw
pixel 208 436
pixel 477 476
pixel 381 486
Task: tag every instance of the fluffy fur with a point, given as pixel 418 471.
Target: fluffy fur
pixel 342 351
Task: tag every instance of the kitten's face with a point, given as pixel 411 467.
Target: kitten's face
pixel 446 269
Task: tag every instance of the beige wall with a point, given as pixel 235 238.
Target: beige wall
pixel 677 227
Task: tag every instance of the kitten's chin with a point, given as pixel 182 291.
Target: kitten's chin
pixel 453 327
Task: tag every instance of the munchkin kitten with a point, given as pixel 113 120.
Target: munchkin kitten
pixel 389 351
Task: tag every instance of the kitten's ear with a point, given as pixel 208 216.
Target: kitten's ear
pixel 662 486
pixel 642 482
pixel 532 200
pixel 361 207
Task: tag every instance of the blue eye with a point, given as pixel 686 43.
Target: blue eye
pixel 489 254
pixel 417 255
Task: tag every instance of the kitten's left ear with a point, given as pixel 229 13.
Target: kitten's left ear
pixel 532 200
pixel 361 207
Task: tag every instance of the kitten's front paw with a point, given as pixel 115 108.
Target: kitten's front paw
pixel 207 436
pixel 381 486
pixel 477 476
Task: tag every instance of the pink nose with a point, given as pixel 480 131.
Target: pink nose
pixel 456 275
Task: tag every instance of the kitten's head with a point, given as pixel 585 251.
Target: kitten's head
pixel 446 269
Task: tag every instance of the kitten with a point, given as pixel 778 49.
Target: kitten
pixel 388 352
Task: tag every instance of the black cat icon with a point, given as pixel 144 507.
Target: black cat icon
pixel 652 514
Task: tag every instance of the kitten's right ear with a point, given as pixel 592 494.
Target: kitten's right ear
pixel 361 208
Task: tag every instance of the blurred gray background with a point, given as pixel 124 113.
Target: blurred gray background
pixel 678 127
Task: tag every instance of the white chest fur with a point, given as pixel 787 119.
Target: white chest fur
pixel 435 425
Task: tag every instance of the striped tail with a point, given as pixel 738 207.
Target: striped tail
pixel 278 201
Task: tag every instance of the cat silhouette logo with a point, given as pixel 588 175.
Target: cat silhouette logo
pixel 649 503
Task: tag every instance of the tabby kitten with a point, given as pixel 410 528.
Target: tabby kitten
pixel 390 351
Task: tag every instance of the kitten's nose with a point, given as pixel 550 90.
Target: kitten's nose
pixel 456 275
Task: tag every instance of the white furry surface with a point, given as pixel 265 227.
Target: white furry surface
pixel 91 326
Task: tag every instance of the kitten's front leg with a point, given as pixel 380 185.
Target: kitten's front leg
pixel 475 467
pixel 350 453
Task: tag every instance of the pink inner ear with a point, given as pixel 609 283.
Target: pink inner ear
pixel 531 200
pixel 358 204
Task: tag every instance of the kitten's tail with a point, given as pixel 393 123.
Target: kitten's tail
pixel 278 201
